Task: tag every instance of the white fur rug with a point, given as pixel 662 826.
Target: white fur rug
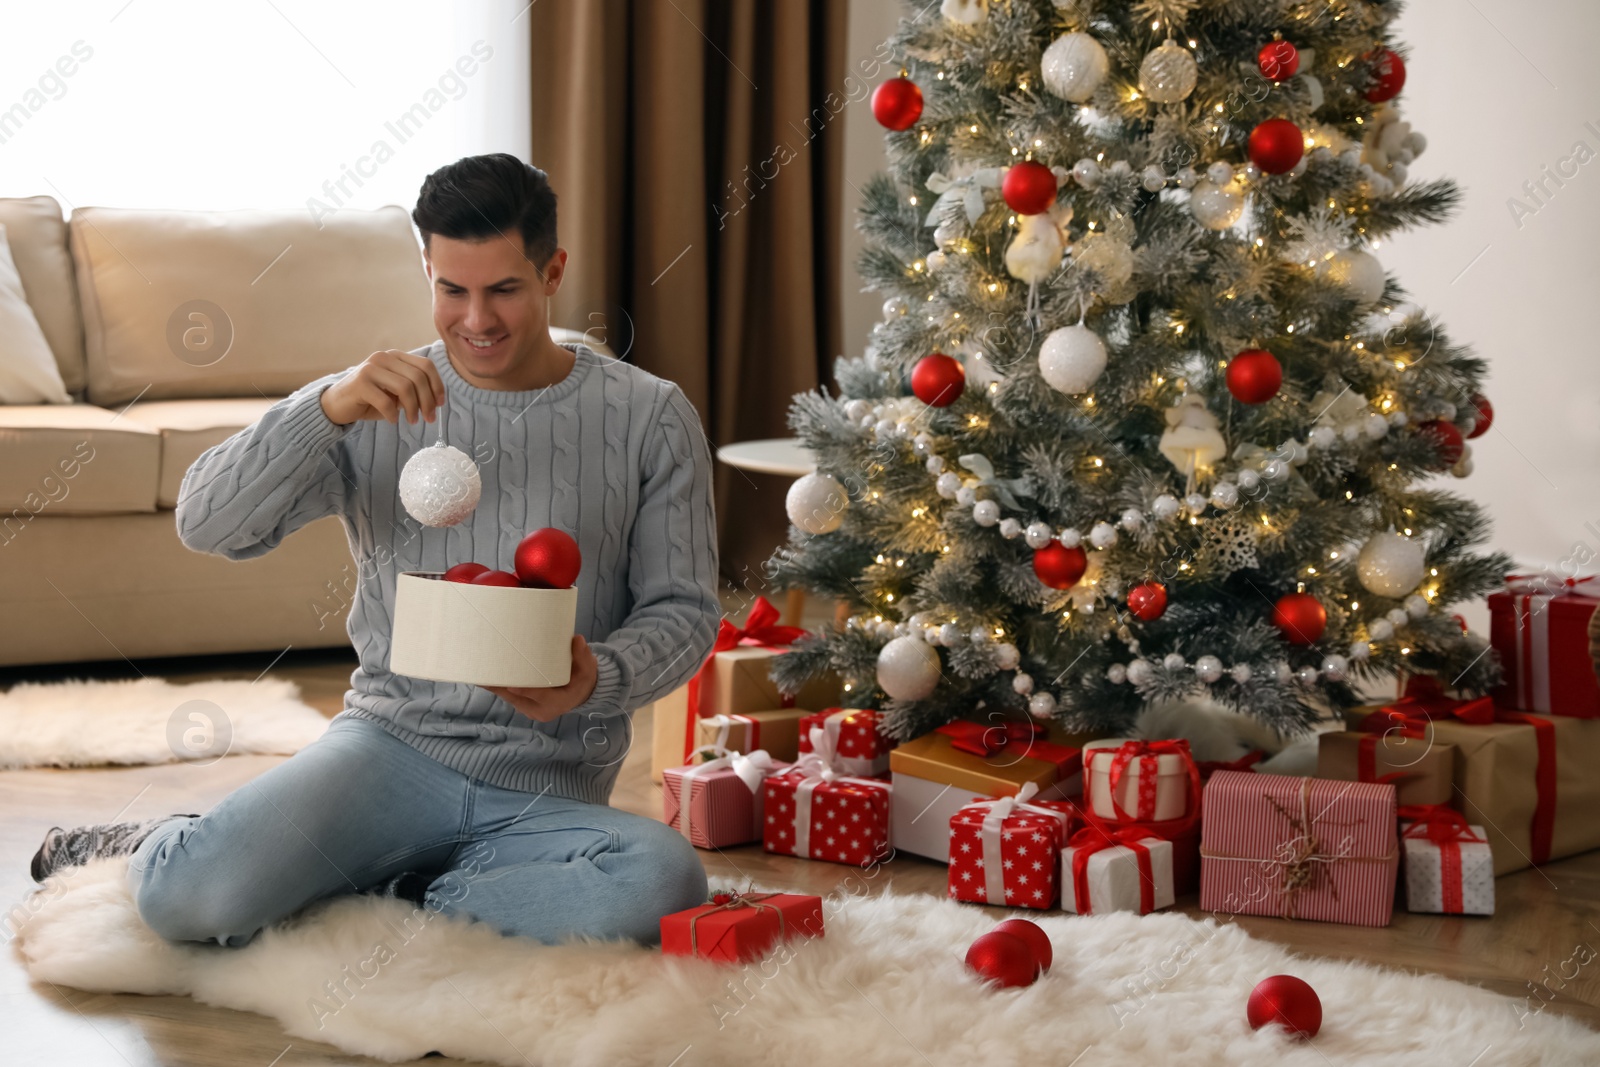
pixel 85 723
pixel 886 985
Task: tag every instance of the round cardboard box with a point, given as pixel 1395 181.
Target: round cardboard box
pixel 481 634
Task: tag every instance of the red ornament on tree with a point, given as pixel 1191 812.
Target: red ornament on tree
pixel 1300 617
pixel 1288 1001
pixel 938 380
pixel 548 559
pixel 1279 60
pixel 1254 376
pixel 1389 76
pixel 1029 188
pixel 1447 438
pixel 1148 601
pixel 464 572
pixel 1058 566
pixel 1276 145
pixel 897 103
pixel 505 578
pixel 1031 932
pixel 1003 958
pixel 1485 410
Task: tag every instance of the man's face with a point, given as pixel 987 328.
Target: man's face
pixel 489 291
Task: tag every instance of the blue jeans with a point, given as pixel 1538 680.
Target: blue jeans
pixel 358 806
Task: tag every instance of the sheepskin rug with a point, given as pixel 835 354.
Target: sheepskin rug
pixel 86 722
pixel 886 985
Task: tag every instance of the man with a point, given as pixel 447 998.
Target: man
pixel 478 801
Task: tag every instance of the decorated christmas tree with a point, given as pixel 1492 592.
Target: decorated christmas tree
pixel 1145 419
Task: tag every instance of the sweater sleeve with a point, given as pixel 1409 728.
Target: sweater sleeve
pixel 245 495
pixel 672 570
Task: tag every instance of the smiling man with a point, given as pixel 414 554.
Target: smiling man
pixel 483 802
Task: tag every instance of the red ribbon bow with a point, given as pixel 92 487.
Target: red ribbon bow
pixel 1148 754
pixel 996 739
pixel 1246 762
pixel 1097 836
pixel 760 628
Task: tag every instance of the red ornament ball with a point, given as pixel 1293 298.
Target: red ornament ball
pixel 1276 145
pixel 1029 188
pixel 1388 74
pixel 1287 1001
pixel 1485 413
pixel 464 572
pixel 1003 958
pixel 505 578
pixel 548 559
pixel 1148 601
pixel 1278 60
pixel 1300 617
pixel 938 380
pixel 1447 438
pixel 1254 376
pixel 897 103
pixel 1031 932
pixel 1058 566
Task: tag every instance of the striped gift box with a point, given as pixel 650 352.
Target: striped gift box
pixel 1300 848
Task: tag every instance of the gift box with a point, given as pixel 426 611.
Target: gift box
pixel 939 773
pixel 776 731
pixel 1301 848
pixel 481 634
pixel 1111 868
pixel 718 803
pixel 1449 864
pixel 858 746
pixel 1005 850
pixel 1127 780
pixel 814 811
pixel 742 928
pixel 734 680
pixel 1539 625
pixel 1421 768
pixel 1528 779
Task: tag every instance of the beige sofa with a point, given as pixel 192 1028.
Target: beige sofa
pixel 174 330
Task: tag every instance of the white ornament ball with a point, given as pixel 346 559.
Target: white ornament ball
pixel 1462 467
pixel 1168 73
pixel 816 503
pixel 1282 673
pixel 1164 506
pixel 1010 529
pixel 986 512
pixel 1335 668
pixel 947 484
pixel 1225 495
pixel 1070 537
pixel 935 464
pixel 1187 177
pixel 935 261
pixel 1306 675
pixel 950 635
pixel 1219 173
pixel 1102 535
pixel 1241 673
pixel 1377 426
pixel 1380 629
pixel 1322 436
pixel 1216 207
pixel 1416 606
pixel 1041 705
pixel 1038 535
pixel 1358 273
pixel 856 410
pixel 1276 470
pixel 1360 650
pixel 1153 179
pixel 1007 656
pixel 1022 683
pixel 1074 66
pixel 1173 661
pixel 978 635
pixel 1116 674
pixel 1087 173
pixel 1208 669
pixel 1072 358
pixel 1131 520
pixel 908 668
pixel 1248 480
pixel 1398 616
pixel 894 307
pixel 440 485
pixel 966 496
pixel 1140 672
pixel 1391 565
pixel 1195 504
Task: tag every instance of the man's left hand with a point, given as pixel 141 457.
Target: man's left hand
pixel 551 702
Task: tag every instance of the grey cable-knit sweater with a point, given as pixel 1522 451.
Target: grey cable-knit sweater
pixel 611 454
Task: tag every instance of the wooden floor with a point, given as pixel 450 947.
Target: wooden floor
pixel 1548 921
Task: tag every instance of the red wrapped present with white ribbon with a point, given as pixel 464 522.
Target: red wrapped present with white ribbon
pixel 858 747
pixel 1449 865
pixel 1539 625
pixel 817 811
pixel 720 802
pixel 1127 781
pixel 1116 868
pixel 1005 850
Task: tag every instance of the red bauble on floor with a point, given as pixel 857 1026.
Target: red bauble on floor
pixel 1031 932
pixel 1254 376
pixel 1276 145
pixel 1003 958
pixel 1058 566
pixel 1287 1001
pixel 1148 600
pixel 548 559
pixel 1300 617
pixel 938 380
pixel 897 103
pixel 1029 188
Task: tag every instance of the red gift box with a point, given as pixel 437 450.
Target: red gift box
pixel 845 820
pixel 858 747
pixel 1302 848
pixel 718 803
pixel 1539 625
pixel 741 929
pixel 1007 850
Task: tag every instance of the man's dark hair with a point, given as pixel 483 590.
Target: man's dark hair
pixel 478 197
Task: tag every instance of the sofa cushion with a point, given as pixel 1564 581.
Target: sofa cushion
pixel 28 371
pixel 188 428
pixel 38 237
pixel 184 304
pixel 73 459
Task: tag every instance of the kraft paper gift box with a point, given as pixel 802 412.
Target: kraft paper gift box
pixel 718 804
pixel 1005 851
pixel 1539 625
pixel 939 773
pixel 742 928
pixel 1449 865
pixel 1127 780
pixel 1299 848
pixel 1421 768
pixel 1106 868
pixel 775 731
pixel 859 748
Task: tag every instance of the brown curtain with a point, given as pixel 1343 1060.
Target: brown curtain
pixel 697 166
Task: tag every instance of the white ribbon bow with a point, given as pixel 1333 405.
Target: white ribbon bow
pixel 980 465
pixel 966 190
pixel 818 766
pixel 994 883
pixel 752 768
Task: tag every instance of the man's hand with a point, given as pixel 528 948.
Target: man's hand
pixel 382 386
pixel 550 703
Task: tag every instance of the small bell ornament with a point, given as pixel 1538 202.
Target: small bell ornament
pixel 439 485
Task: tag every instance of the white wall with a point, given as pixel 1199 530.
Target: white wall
pixel 1526 297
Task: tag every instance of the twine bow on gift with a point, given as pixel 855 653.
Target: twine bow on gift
pixel 998 810
pixel 752 768
pixel 1149 754
pixel 735 901
pixel 819 765
pixel 1096 837
pixel 761 629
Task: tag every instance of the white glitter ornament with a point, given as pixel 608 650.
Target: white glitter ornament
pixel 1072 359
pixel 1074 66
pixel 1168 73
pixel 908 668
pixel 1216 207
pixel 816 503
pixel 1391 565
pixel 1358 273
pixel 1042 705
pixel 440 485
pixel 986 512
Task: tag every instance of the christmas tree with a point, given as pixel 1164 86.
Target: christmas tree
pixel 1145 419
